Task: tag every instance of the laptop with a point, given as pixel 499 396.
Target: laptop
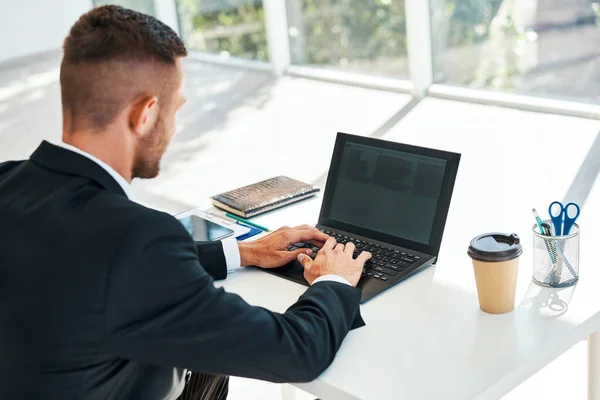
pixel 388 198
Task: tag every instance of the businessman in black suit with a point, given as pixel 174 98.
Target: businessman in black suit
pixel 102 298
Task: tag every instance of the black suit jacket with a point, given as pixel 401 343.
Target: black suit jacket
pixel 102 298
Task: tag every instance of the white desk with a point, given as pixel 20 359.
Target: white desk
pixel 426 338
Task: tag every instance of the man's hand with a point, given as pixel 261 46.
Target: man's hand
pixel 271 251
pixel 335 259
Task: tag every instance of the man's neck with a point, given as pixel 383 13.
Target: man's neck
pixel 106 147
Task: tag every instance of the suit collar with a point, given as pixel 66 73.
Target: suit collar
pixel 126 186
pixel 68 162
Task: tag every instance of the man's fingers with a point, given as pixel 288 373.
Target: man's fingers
pixel 305 260
pixel 315 243
pixel 339 247
pixel 297 252
pixel 350 247
pixel 304 226
pixel 329 244
pixel 307 233
pixel 319 236
pixel 363 257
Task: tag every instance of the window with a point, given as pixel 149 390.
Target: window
pixel 351 35
pixel 144 6
pixel 541 47
pixel 225 27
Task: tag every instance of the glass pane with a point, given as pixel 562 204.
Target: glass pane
pixel 544 48
pixel 351 35
pixel 144 6
pixel 226 27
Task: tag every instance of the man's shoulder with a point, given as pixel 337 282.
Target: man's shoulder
pixel 138 231
pixel 139 220
pixel 7 166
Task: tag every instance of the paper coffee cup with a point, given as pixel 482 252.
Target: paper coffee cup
pixel 496 263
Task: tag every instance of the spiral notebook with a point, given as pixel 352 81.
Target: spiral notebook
pixel 264 196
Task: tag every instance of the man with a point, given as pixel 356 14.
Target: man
pixel 102 298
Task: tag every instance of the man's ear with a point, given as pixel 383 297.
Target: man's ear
pixel 144 115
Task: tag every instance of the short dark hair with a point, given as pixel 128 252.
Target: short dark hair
pixel 107 49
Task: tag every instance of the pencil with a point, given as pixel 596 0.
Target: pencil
pixel 245 221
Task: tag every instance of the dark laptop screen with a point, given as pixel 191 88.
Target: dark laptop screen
pixel 387 191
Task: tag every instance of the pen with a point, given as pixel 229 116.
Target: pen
pixel 557 263
pixel 245 221
pixel 545 230
pixel 538 221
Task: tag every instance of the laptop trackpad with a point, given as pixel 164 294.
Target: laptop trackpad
pixel 293 271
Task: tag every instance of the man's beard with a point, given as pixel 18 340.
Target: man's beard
pixel 150 151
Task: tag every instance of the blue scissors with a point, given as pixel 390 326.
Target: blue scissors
pixel 562 221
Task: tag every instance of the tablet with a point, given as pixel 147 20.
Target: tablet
pixel 203 230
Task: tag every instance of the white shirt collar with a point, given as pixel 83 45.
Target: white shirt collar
pixel 116 176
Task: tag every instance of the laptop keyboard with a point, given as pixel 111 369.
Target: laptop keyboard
pixel 384 264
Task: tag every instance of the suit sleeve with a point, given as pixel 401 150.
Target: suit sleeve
pixel 212 258
pixel 162 308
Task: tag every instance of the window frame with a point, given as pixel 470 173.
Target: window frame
pixel 420 58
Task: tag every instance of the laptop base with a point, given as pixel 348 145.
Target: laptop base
pixel 370 287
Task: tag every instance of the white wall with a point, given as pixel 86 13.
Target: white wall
pixel 31 26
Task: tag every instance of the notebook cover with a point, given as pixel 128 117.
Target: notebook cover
pixel 264 196
pixel 253 232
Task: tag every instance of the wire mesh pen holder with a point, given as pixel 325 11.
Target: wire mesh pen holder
pixel 556 258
